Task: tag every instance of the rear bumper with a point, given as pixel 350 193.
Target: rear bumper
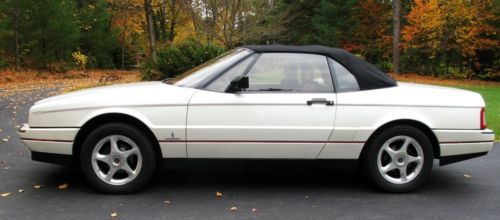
pixel 458 145
pixel 48 140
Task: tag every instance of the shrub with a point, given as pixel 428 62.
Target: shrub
pixel 149 72
pixel 174 60
pixel 3 64
pixel 79 59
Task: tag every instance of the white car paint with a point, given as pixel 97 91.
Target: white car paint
pixel 258 125
pixel 191 123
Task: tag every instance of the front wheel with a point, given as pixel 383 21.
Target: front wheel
pixel 117 158
pixel 399 159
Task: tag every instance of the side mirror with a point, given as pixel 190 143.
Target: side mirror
pixel 238 84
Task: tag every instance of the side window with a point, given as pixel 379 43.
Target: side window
pixel 344 80
pixel 221 83
pixel 290 72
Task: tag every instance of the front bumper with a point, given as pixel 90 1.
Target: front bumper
pixel 48 140
pixel 458 145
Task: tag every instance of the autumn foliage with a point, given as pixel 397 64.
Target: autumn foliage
pixel 446 38
pixel 453 35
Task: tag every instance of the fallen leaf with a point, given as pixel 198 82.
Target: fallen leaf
pixel 467 175
pixel 4 194
pixel 166 202
pixel 5 140
pixel 234 209
pixel 20 190
pixel 114 214
pixel 218 194
pixel 254 210
pixel 37 186
pixel 63 186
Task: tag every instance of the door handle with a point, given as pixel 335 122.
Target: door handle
pixel 319 101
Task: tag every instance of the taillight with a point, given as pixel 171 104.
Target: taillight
pixel 483 119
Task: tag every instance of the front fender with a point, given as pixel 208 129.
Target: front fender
pixel 126 111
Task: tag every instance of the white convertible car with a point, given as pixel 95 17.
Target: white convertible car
pixel 262 102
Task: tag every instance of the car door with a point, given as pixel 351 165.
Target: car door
pixel 287 111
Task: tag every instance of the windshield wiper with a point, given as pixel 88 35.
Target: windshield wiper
pixel 274 89
pixel 166 80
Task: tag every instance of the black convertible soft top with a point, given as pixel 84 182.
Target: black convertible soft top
pixel 367 75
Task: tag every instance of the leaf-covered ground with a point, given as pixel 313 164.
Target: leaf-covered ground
pixel 12 83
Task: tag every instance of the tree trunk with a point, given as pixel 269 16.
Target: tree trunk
pixel 16 36
pixel 396 60
pixel 123 45
pixel 214 8
pixel 44 49
pixel 194 17
pixel 163 20
pixel 173 20
pixel 151 31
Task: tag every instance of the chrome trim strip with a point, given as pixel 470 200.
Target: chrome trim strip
pixel 46 140
pixel 258 141
pixel 488 132
pixel 235 104
pixel 112 106
pixel 465 142
pixel 54 128
pixel 425 106
pixel 455 129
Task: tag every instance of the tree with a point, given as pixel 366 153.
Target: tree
pixel 332 23
pixel 95 23
pixel 151 30
pixel 396 60
pixel 127 17
pixel 300 28
pixel 447 35
pixel 52 30
pixel 372 29
pixel 12 25
pixel 168 15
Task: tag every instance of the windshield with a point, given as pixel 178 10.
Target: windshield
pixel 192 78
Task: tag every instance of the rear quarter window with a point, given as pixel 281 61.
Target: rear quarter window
pixel 343 78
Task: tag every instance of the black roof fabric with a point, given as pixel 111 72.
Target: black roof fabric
pixel 367 75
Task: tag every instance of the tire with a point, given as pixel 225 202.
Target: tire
pixel 386 162
pixel 125 168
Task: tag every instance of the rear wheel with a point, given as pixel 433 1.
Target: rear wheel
pixel 399 159
pixel 117 158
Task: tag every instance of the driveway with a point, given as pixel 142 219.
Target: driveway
pixel 250 189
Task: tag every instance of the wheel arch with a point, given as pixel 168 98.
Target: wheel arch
pixel 409 122
pixel 101 119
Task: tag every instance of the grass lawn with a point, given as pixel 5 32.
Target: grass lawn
pixel 491 96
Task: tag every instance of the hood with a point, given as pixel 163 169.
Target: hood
pixel 136 94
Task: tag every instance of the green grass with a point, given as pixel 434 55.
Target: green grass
pixel 491 95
